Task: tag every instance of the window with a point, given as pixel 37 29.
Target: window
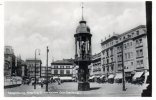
pixel 107 61
pixel 124 37
pixel 141 52
pixel 131 63
pixel 137 53
pixel 137 32
pixel 61 71
pixel 67 71
pixel 129 36
pixel 55 71
pixel 140 40
pixel 104 69
pixel 55 66
pixel 137 42
pixel 130 43
pixel 61 66
pixel 125 46
pixel 138 62
pixel 141 61
pixel 125 55
pixel 112 68
pixel 67 67
pixel 132 34
pixel 129 55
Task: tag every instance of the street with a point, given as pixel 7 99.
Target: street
pixel 69 89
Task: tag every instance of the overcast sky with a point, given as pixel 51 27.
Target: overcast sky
pixel 31 25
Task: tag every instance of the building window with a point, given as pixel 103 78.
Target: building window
pixel 55 71
pixel 131 63
pixel 112 59
pixel 125 46
pixel 62 72
pixel 62 67
pixel 55 66
pixel 141 52
pixel 67 67
pixel 137 32
pixel 112 68
pixel 124 37
pixel 131 43
pixel 129 55
pixel 107 61
pixel 129 36
pixel 67 71
pixel 140 40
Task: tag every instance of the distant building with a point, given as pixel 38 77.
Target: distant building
pixel 9 61
pixel 44 72
pixel 63 68
pixel 129 50
pixel 95 66
pixel 31 67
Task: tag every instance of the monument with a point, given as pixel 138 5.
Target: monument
pixel 83 53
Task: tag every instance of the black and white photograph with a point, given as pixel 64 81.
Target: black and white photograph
pixel 77 49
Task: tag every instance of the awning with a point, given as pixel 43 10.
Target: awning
pixel 91 77
pixel 102 76
pixel 98 76
pixel 110 76
pixel 55 77
pixel 118 76
pixel 137 75
pixel 66 78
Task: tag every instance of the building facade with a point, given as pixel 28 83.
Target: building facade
pixel 109 56
pixel 44 72
pixel 31 67
pixel 62 68
pixel 9 61
pixel 95 67
pixel 128 50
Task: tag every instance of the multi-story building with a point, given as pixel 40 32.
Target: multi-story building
pixel 31 67
pixel 44 72
pixel 109 56
pixel 62 68
pixel 9 61
pixel 129 51
pixel 95 66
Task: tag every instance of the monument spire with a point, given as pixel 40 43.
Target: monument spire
pixel 82 11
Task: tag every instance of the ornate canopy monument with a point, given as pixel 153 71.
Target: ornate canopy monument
pixel 83 53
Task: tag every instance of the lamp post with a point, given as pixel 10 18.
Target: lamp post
pixel 35 66
pixel 47 71
pixel 123 71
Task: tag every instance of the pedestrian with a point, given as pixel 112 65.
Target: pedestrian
pixel 41 85
pixel 59 81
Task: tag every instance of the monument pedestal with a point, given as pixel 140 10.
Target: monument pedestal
pixel 83 86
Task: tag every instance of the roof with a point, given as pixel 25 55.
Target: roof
pixel 32 60
pixel 82 28
pixel 63 62
pixel 116 36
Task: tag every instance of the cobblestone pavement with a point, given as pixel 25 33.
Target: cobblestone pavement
pixel 69 89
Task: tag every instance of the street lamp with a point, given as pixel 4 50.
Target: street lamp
pixel 47 71
pixel 35 65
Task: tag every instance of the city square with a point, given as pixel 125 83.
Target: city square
pixel 66 49
pixel 69 89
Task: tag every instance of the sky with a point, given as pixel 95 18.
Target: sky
pixel 31 25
